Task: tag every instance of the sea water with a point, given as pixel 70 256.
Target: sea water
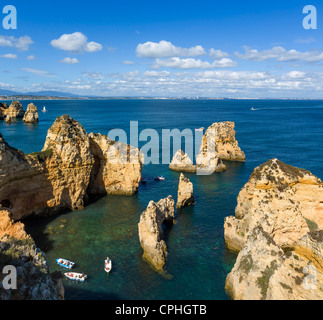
pixel 198 261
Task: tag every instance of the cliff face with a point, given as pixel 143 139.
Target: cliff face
pixel 185 193
pixel 34 282
pixel 277 229
pixel 181 162
pixel 31 115
pixel 151 234
pixel 221 137
pixel 59 176
pixel 15 110
pixel 117 168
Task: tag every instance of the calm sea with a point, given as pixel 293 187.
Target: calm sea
pixel 198 261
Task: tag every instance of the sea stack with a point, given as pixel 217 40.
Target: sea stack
pixel 277 230
pixel 151 234
pixel 117 167
pixel 31 115
pixel 182 162
pixel 15 110
pixel 220 138
pixel 185 193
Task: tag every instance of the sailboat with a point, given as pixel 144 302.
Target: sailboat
pixel 44 109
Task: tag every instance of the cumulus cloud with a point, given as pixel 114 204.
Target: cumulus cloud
pixel 9 56
pixel 69 60
pixel 190 63
pixel 218 54
pixel 165 49
pixel 76 42
pixel 128 62
pixel 21 44
pixel 280 54
pixel 32 57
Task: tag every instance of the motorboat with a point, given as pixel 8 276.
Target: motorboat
pixel 65 263
pixel 108 265
pixel 44 109
pixel 76 276
pixel 160 178
pixel 143 180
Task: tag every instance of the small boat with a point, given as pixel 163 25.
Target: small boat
pixel 252 109
pixel 108 265
pixel 143 180
pixel 44 109
pixel 160 178
pixel 65 263
pixel 76 276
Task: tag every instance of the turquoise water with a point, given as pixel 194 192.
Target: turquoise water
pixel 198 261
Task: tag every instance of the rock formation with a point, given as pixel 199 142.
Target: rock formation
pixel 151 234
pixel 117 167
pixel 3 107
pixel 31 115
pixel 181 162
pixel 185 193
pixel 34 282
pixel 56 178
pixel 278 231
pixel 15 110
pixel 221 138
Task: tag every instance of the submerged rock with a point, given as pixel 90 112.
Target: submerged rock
pixel 31 115
pixel 151 234
pixel 185 193
pixel 277 229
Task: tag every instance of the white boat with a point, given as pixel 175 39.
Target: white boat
pixel 160 178
pixel 252 109
pixel 76 276
pixel 44 109
pixel 65 263
pixel 108 265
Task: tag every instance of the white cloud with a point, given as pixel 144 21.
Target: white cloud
pixel 127 62
pixel 38 72
pixel 190 63
pixel 218 54
pixel 31 57
pixel 165 49
pixel 280 54
pixel 69 60
pixel 151 73
pixel 76 42
pixel 21 44
pixel 9 56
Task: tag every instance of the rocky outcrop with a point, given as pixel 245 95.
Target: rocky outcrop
pixel 34 281
pixel 117 167
pixel 181 162
pixel 277 231
pixel 220 138
pixel 3 107
pixel 151 234
pixel 56 178
pixel 31 115
pixel 15 110
pixel 185 193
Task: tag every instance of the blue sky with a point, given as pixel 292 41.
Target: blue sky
pixel 164 48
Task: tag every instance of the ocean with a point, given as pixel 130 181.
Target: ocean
pixel 198 261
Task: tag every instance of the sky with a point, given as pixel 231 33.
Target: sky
pixel 237 49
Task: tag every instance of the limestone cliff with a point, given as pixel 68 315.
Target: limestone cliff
pixel 181 162
pixel 221 138
pixel 151 234
pixel 59 176
pixel 277 229
pixel 117 167
pixel 31 115
pixel 185 193
pixel 15 110
pixel 34 281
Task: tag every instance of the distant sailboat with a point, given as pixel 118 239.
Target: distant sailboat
pixel 44 109
pixel 252 109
